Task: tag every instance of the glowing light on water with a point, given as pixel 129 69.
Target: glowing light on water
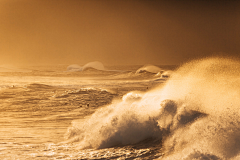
pixel 195 114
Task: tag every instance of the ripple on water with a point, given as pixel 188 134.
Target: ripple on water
pixel 70 151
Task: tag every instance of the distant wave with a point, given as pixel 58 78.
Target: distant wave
pixel 145 72
pixel 38 86
pixel 97 66
pixel 139 76
pixel 149 68
pixel 74 68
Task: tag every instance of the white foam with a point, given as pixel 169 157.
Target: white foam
pixel 123 122
pixel 209 86
pixel 149 68
pixel 196 112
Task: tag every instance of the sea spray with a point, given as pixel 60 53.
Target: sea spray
pixel 196 114
pixel 210 89
pixel 120 123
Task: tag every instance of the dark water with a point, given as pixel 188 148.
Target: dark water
pixel 189 113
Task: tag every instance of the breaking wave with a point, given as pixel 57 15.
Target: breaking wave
pixel 195 114
pixel 74 68
pixel 149 68
pixel 146 72
pixel 95 65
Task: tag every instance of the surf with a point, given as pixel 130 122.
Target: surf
pixel 195 114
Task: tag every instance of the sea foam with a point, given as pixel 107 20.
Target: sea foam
pixel 195 114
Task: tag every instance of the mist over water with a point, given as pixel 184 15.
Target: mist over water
pixel 188 113
pixel 209 87
pixel 195 114
pixel 117 107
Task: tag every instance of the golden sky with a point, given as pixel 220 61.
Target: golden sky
pixel 117 31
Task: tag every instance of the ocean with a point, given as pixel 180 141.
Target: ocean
pixel 121 112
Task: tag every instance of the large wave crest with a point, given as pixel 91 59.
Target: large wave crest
pixel 196 114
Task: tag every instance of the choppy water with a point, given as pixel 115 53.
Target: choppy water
pixel 38 105
pixel 122 112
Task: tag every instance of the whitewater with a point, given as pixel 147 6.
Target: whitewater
pixel 121 112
